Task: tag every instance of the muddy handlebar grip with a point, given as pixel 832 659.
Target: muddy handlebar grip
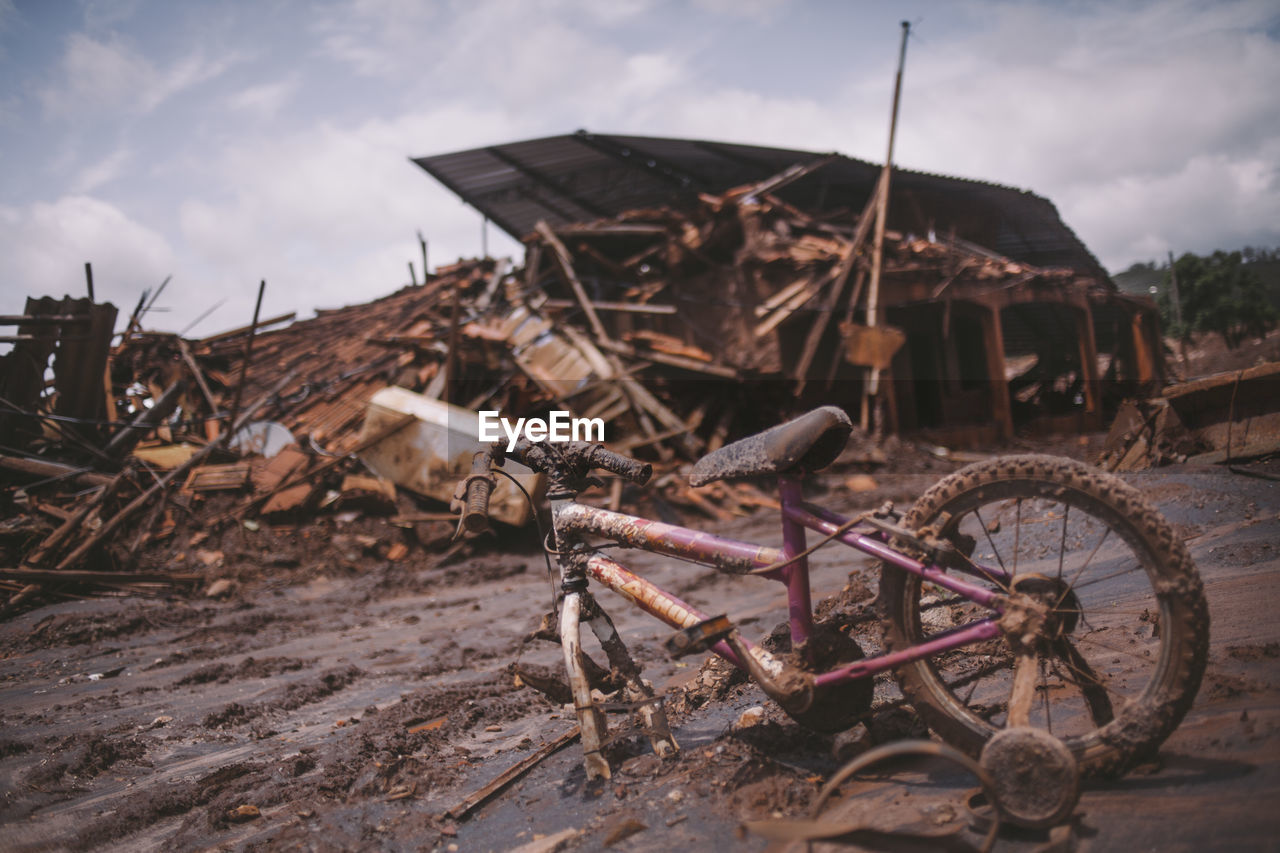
pixel 624 466
pixel 475 510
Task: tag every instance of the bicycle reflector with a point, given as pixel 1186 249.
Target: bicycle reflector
pixel 699 637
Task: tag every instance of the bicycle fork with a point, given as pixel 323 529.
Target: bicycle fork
pixel 638 696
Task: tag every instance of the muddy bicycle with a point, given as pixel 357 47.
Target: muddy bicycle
pixel 1023 591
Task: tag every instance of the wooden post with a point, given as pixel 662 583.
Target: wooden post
pixel 451 355
pixel 422 241
pixel 993 344
pixel 88 277
pixel 1089 365
pixel 244 365
pixel 882 211
pixel 565 263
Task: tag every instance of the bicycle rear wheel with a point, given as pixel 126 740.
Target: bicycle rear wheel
pixel 1123 648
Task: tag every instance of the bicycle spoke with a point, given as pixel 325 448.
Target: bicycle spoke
pixel 1085 638
pixel 982 571
pixel 1110 576
pixel 1017 537
pixel 1062 546
pixel 973 677
pixel 1094 690
pixel 990 541
pixel 1092 554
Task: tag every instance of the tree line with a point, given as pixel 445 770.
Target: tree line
pixel 1232 294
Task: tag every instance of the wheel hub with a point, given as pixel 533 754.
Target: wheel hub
pixel 1040 608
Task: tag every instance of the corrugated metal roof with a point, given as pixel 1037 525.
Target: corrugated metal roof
pixel 584 176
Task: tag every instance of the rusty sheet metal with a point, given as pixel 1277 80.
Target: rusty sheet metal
pixel 433 453
pixel 560 359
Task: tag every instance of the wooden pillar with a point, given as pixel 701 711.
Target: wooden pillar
pixel 1089 364
pixel 993 344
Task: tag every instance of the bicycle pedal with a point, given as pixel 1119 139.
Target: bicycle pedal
pixel 699 637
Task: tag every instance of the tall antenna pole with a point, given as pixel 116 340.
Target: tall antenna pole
pixel 882 210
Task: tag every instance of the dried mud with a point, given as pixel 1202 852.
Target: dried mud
pixel 344 701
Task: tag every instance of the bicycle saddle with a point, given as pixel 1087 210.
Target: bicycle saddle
pixel 811 442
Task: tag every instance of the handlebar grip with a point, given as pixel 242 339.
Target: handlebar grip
pixel 475 511
pixel 624 466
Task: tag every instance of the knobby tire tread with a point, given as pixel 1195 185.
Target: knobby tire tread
pixel 1140 726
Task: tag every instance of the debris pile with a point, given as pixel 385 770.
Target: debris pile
pixel 1220 419
pixel 681 329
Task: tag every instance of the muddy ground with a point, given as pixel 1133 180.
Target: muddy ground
pixel 340 701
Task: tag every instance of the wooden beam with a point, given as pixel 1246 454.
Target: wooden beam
pixel 847 263
pixel 627 307
pixel 565 263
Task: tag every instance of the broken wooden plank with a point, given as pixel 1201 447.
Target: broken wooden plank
pixel 185 349
pixel 46 470
pixel 215 478
pixel 823 320
pixel 243 330
pixel 565 264
pixel 116 520
pixel 511 774
pixel 626 307
pixel 797 301
pixel 684 362
pixel 103 578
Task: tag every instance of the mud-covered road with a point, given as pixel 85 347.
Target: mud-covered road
pixel 350 706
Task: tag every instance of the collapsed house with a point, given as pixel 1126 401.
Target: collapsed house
pixel 660 292
pixel 755 263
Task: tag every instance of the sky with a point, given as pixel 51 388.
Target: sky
pixel 224 143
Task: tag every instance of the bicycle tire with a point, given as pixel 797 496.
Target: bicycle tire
pixel 1169 639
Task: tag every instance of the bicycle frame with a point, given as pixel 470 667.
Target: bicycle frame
pixel 574 521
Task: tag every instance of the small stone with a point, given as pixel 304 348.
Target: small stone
pixel 753 716
pixel 861 483
pixel 675 796
pixel 220 588
pixel 241 814
pixel 493 728
pixel 624 828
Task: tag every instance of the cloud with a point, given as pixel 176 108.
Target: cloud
pixel 104 171
pixel 1139 217
pixel 44 248
pixel 377 38
pixel 1135 119
pixel 264 100
pixel 100 75
pixel 1147 123
pixel 328 215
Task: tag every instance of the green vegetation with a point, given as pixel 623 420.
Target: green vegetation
pixel 1232 294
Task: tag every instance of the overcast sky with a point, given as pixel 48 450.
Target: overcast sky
pixel 226 142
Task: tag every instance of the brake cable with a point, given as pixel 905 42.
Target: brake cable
pixel 542 538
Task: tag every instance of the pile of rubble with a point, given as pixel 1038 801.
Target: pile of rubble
pixel 1224 418
pixel 680 329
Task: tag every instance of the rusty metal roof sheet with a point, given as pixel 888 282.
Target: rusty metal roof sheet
pixel 585 176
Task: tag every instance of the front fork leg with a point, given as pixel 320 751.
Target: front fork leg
pixel 651 717
pixel 591 722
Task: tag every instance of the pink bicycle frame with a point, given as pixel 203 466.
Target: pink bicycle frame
pixel 736 557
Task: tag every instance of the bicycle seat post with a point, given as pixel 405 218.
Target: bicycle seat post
pixel 795 575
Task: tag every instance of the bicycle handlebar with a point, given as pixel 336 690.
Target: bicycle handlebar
pixel 478 485
pixel 624 466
